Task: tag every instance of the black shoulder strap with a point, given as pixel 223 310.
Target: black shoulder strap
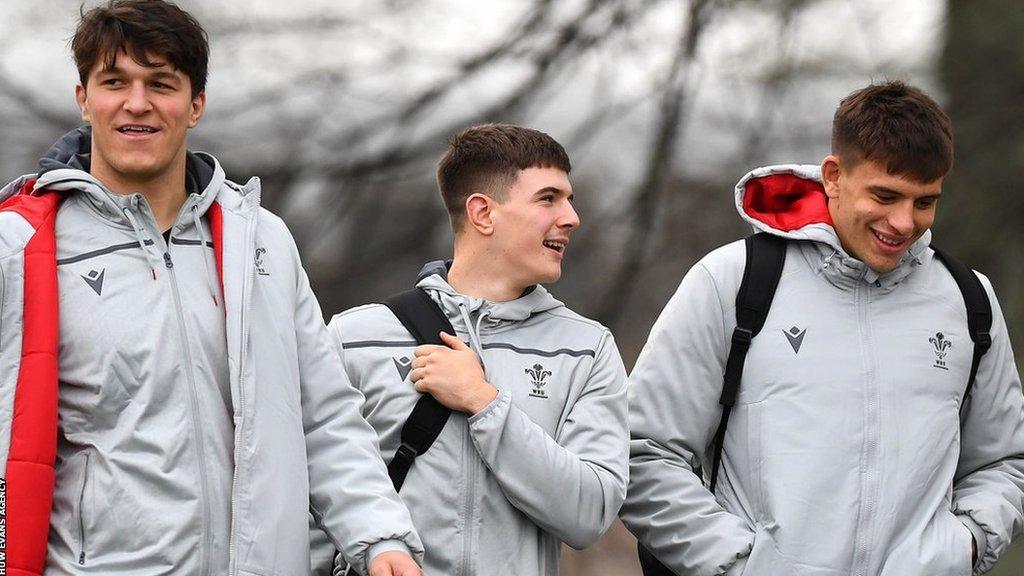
pixel 766 255
pixel 424 320
pixel 979 311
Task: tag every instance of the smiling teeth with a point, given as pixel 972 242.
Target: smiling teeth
pixel 554 245
pixel 886 240
pixel 144 129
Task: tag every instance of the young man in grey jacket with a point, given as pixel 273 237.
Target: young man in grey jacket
pixel 535 451
pixel 202 410
pixel 851 449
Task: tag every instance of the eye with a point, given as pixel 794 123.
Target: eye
pixel 547 198
pixel 162 86
pixel 111 82
pixel 925 203
pixel 884 198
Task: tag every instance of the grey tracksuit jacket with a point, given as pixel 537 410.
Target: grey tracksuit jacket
pixel 544 463
pixel 196 430
pixel 848 452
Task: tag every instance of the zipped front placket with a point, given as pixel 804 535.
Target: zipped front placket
pixel 248 276
pixel 197 432
pixel 869 463
pixel 468 567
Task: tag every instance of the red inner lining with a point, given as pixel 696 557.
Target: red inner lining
pixel 33 442
pixel 786 202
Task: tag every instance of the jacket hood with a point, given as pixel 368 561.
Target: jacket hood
pixel 65 168
pixel 789 200
pixel 434 279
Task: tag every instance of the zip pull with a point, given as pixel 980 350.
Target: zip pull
pixel 81 558
pixel 167 260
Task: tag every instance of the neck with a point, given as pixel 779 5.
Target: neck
pixel 478 274
pixel 164 192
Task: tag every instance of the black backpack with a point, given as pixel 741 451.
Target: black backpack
pixel 766 255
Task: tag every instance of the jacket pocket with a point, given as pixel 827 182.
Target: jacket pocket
pixel 80 511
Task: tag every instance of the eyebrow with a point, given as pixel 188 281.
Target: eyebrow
pixel 553 189
pixel 157 74
pixel 889 191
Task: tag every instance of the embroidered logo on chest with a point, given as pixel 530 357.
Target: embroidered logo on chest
pixel 260 266
pixel 538 375
pixel 95 280
pixel 942 346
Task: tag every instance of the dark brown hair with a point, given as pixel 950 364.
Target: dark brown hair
pixel 486 159
pixel 898 126
pixel 137 27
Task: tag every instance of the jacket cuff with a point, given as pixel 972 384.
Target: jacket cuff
pixel 980 539
pixel 502 399
pixel 385 546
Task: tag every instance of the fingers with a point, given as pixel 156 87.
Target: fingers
pixel 453 342
pixel 428 349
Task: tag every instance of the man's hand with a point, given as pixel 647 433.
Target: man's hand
pixel 453 375
pixel 394 563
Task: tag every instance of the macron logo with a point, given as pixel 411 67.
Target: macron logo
pixel 795 337
pixel 95 280
pixel 403 365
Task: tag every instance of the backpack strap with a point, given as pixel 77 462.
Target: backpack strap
pixel 422 317
pixel 979 311
pixel 766 255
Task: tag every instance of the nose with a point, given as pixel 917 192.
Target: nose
pixel 570 220
pixel 137 99
pixel 902 218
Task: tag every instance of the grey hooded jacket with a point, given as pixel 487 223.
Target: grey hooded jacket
pixel 544 463
pixel 196 431
pixel 848 452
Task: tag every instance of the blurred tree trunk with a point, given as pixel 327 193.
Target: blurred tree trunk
pixel 982 66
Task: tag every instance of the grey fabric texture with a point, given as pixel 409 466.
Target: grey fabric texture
pixel 544 463
pixel 850 456
pixel 197 429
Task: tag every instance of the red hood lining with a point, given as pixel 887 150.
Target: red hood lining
pixel 786 202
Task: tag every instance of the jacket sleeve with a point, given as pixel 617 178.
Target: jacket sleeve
pixel 571 485
pixel 351 495
pixel 988 492
pixel 673 414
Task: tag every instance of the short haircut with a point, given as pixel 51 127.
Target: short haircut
pixel 896 125
pixel 486 159
pixel 137 27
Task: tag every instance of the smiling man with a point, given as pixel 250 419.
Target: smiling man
pixel 533 453
pixel 171 403
pixel 858 442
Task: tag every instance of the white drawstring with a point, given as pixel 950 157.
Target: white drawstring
pixel 141 238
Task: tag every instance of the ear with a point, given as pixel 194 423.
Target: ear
pixel 480 213
pixel 831 172
pixel 83 107
pixel 198 107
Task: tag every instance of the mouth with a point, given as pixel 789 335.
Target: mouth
pixel 136 130
pixel 890 243
pixel 556 245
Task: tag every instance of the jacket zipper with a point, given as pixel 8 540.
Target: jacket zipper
pixel 869 482
pixel 247 278
pixel 468 568
pixel 81 513
pixel 194 401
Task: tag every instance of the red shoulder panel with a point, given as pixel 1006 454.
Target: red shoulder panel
pixel 33 444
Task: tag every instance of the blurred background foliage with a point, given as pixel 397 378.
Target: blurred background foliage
pixel 342 108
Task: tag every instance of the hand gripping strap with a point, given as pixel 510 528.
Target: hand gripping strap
pixel 979 311
pixel 422 317
pixel 766 255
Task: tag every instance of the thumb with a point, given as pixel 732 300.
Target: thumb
pixel 453 342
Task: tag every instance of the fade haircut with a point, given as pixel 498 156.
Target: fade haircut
pixel 486 159
pixel 898 126
pixel 137 27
